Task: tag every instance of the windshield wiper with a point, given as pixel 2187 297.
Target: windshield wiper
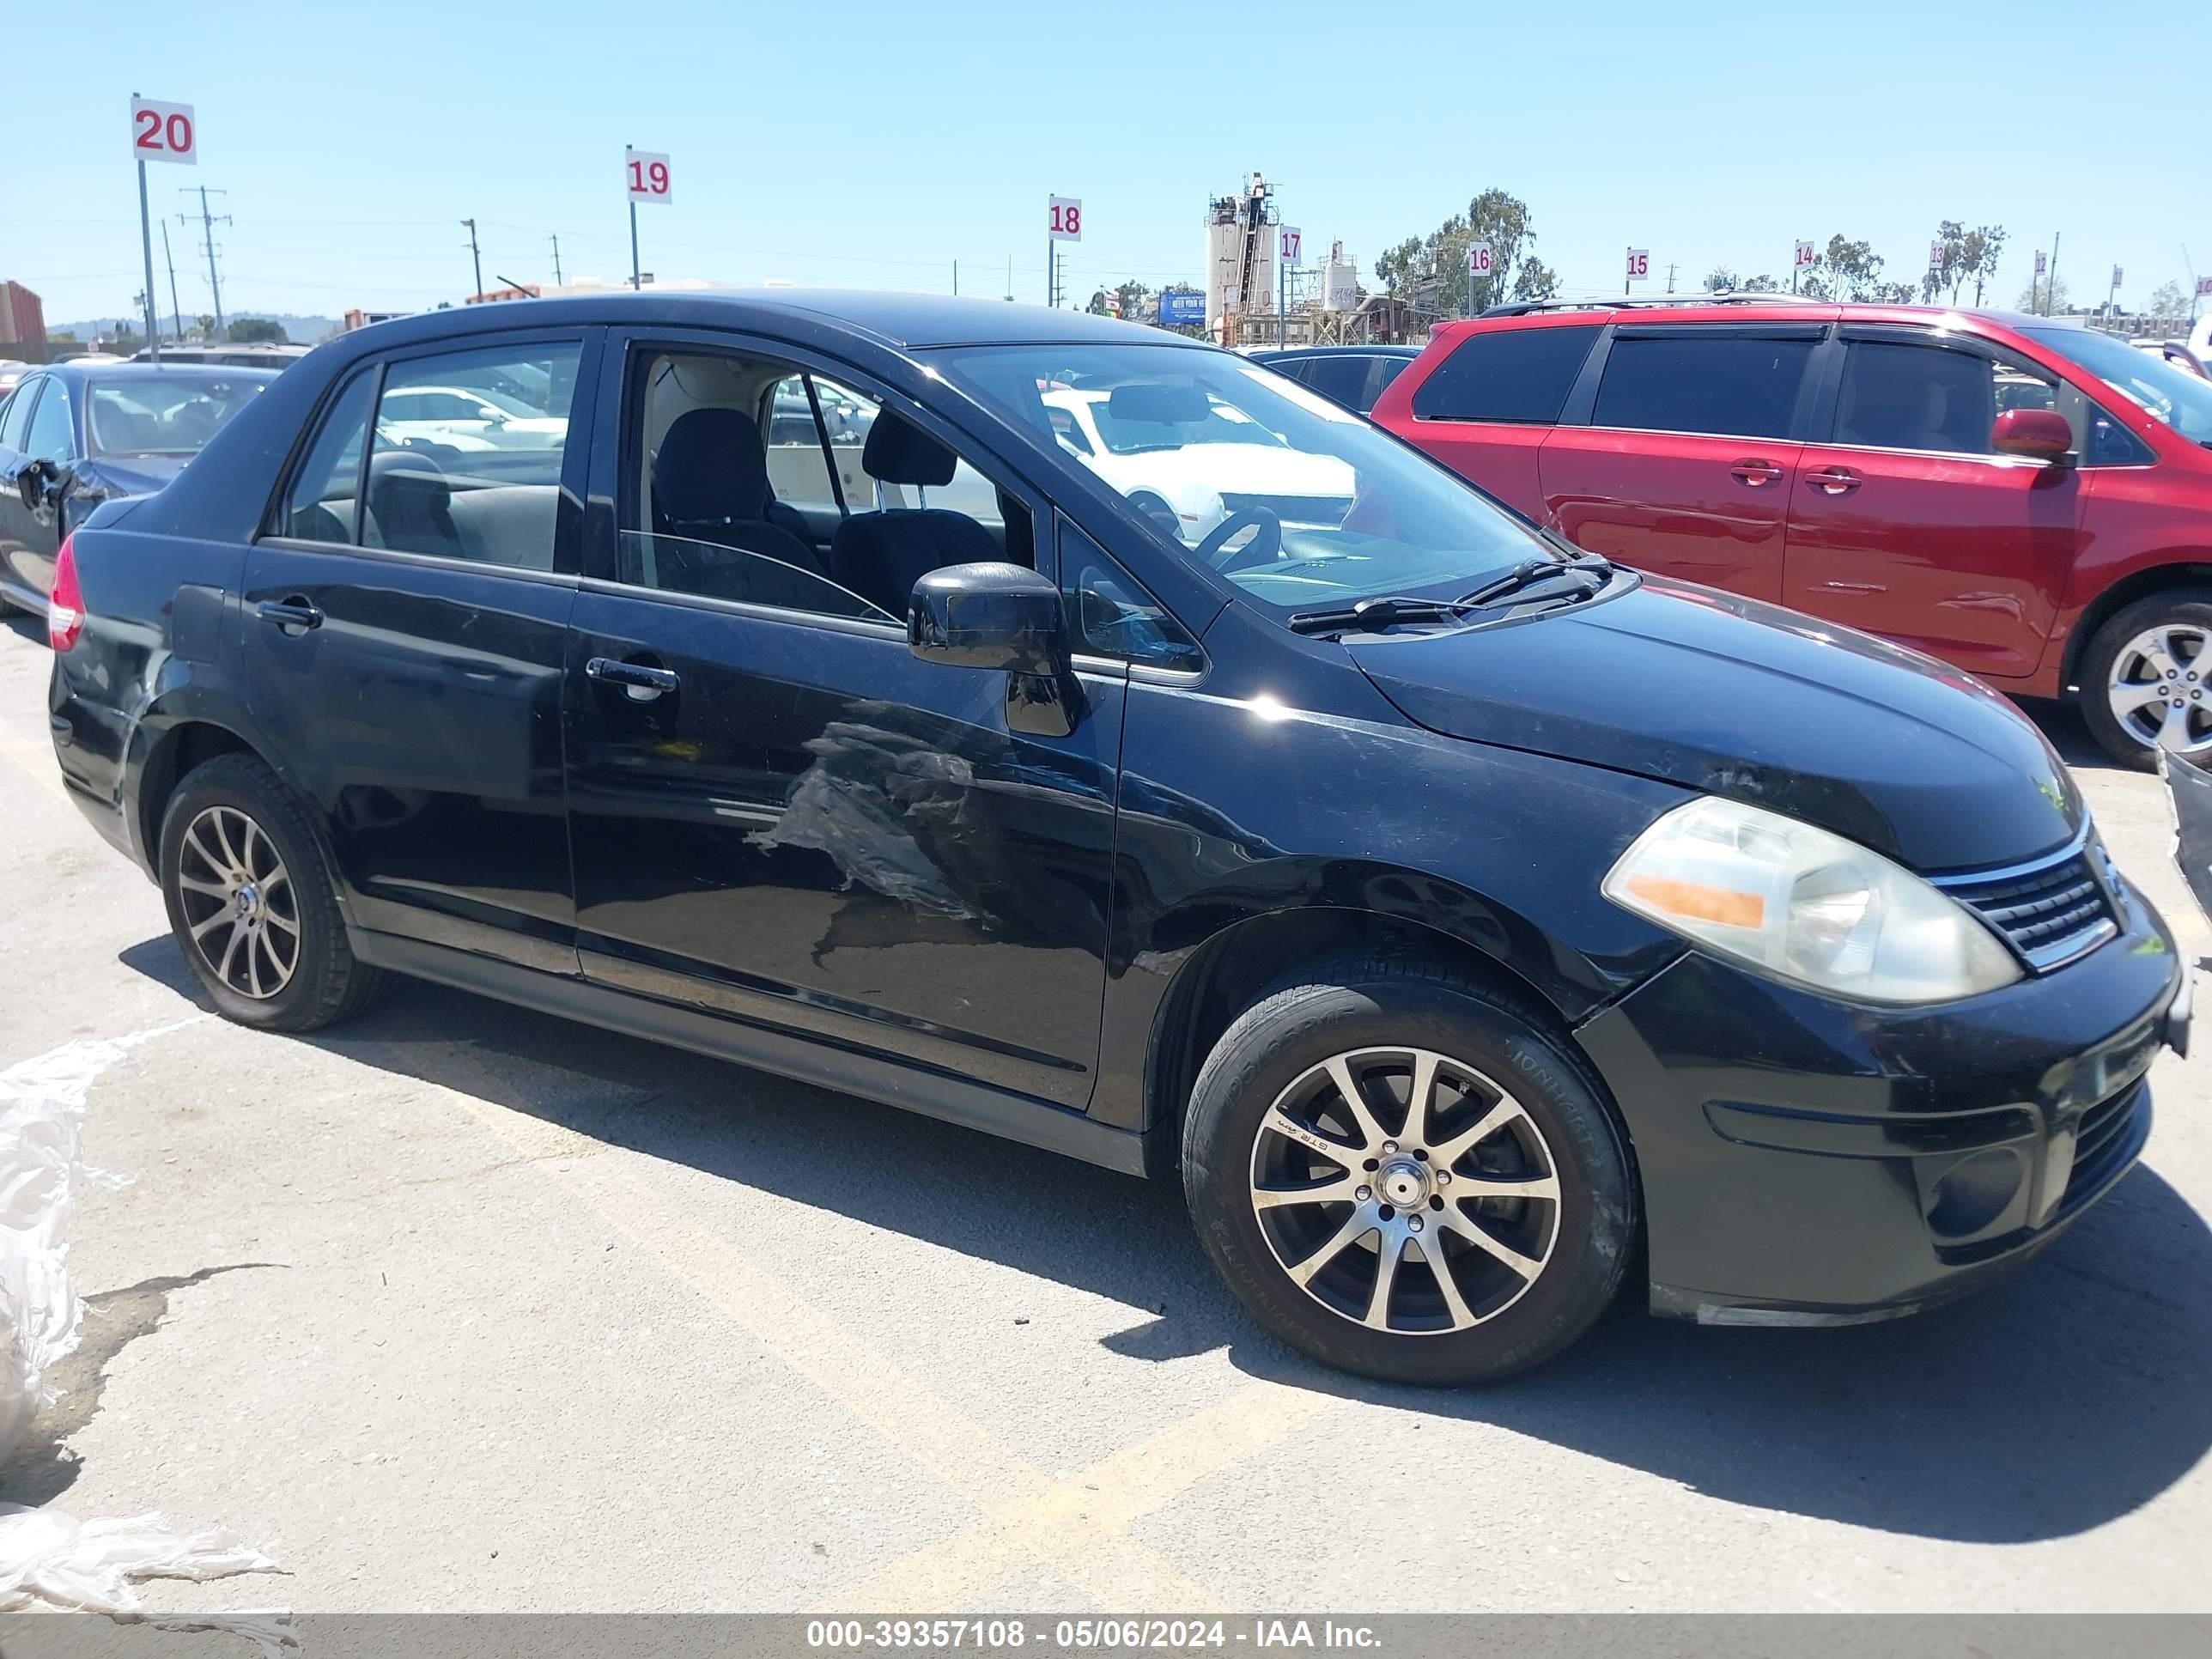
pixel 1389 610
pixel 1377 613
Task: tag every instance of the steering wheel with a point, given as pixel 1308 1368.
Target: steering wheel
pixel 1263 547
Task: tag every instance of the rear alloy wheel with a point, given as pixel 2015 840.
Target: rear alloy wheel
pixel 1408 1177
pixel 241 914
pixel 251 903
pixel 2147 680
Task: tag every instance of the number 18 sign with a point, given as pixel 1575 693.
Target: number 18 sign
pixel 645 173
pixel 1066 213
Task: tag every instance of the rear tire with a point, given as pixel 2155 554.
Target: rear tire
pixel 2131 654
pixel 1518 1173
pixel 251 902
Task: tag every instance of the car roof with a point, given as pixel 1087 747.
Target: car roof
pixel 1378 350
pixel 153 374
pixel 909 321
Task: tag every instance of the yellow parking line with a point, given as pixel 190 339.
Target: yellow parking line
pixel 1079 1523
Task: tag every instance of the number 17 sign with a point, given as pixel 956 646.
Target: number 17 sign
pixel 645 173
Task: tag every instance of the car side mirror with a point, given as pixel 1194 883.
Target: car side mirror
pixel 37 483
pixel 2041 434
pixel 1007 618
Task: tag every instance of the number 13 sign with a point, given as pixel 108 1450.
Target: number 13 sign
pixel 163 132
pixel 645 173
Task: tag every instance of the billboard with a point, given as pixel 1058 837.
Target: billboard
pixel 1186 310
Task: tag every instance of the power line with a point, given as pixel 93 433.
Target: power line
pixel 207 223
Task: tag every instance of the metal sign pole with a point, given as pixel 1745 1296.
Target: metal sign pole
pixel 636 283
pixel 146 245
pixel 1282 294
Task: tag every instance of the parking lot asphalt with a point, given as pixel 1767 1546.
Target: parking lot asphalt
pixel 456 1306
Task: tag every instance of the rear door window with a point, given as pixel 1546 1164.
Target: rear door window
pixel 1340 379
pixel 1520 375
pixel 322 505
pixel 1729 384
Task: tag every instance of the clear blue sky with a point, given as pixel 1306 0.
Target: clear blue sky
pixel 860 144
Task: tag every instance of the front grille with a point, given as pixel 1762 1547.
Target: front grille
pixel 2105 1138
pixel 1294 509
pixel 2051 912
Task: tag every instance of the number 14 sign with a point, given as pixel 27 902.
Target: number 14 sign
pixel 645 173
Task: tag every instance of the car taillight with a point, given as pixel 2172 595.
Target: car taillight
pixel 65 605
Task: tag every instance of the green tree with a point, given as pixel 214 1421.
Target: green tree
pixel 249 331
pixel 1437 262
pixel 1963 256
pixel 1850 270
pixel 206 326
pixel 1723 279
pixel 2039 297
pixel 2167 299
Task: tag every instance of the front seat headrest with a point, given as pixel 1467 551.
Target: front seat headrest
pixel 900 452
pixel 408 470
pixel 711 465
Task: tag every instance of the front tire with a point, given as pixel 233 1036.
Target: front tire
pixel 2147 679
pixel 1349 1125
pixel 251 903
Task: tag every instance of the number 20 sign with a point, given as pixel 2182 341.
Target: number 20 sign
pixel 164 132
pixel 645 173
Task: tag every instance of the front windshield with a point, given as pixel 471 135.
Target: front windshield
pixel 172 414
pixel 1304 505
pixel 2175 396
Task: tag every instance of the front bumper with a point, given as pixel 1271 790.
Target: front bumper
pixel 1808 1161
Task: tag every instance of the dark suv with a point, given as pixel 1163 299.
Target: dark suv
pixel 1461 918
pixel 2025 498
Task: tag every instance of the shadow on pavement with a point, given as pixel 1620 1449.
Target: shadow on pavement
pixel 2069 1395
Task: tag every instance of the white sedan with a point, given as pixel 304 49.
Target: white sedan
pixel 1190 475
pixel 465 418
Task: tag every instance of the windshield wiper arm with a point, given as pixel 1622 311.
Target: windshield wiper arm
pixel 1392 609
pixel 1375 613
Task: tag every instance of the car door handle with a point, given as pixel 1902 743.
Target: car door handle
pixel 640 682
pixel 294 616
pixel 1833 480
pixel 1755 472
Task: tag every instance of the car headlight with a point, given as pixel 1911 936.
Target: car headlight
pixel 1803 905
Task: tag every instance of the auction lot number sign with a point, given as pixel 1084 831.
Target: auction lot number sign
pixel 164 132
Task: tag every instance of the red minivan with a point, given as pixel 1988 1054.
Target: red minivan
pixel 2025 498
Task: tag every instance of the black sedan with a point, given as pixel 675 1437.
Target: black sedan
pixel 1352 375
pixel 75 435
pixel 1467 923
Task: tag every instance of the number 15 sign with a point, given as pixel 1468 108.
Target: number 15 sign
pixel 645 173
pixel 163 132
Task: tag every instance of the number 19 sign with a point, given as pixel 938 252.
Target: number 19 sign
pixel 645 173
pixel 163 132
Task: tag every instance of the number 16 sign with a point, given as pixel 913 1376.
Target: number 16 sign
pixel 645 173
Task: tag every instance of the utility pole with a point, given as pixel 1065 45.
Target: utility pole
pixel 176 311
pixel 1010 279
pixel 956 279
pixel 476 257
pixel 2051 280
pixel 1670 278
pixel 207 223
pixel 557 282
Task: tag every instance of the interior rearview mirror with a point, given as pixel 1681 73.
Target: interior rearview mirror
pixel 1005 617
pixel 2041 433
pixel 1155 405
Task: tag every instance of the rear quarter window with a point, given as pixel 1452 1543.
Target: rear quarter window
pixel 1517 374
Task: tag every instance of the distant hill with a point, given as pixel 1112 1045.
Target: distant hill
pixel 299 330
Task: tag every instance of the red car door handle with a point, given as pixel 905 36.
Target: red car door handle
pixel 1833 480
pixel 1755 473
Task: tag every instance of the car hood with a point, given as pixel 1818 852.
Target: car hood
pixel 1735 698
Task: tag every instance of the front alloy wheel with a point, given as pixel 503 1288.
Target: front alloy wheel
pixel 1408 1175
pixel 1429 1227
pixel 241 912
pixel 2160 689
